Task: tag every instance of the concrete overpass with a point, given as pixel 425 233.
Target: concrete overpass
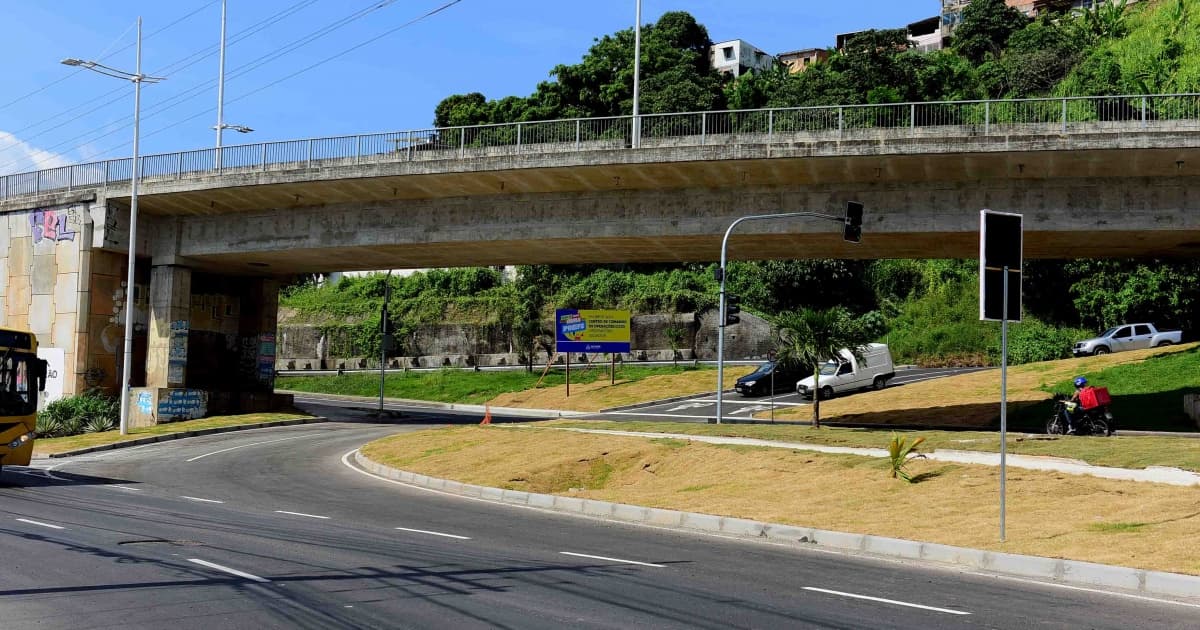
pixel 1094 177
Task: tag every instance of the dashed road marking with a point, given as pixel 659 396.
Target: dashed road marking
pixel 301 514
pixel 887 601
pixel 231 571
pixel 425 531
pixel 40 524
pixel 606 558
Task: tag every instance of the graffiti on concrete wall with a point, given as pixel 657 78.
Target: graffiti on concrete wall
pixel 145 401
pixel 52 225
pixel 266 358
pixel 177 352
pixel 182 404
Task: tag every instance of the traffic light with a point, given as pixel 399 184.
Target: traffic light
pixel 732 309
pixel 852 231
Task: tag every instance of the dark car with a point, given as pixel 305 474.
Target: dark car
pixel 758 382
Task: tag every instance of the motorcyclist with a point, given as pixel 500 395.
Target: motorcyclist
pixel 1081 383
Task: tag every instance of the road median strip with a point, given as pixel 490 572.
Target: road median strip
pixel 1071 572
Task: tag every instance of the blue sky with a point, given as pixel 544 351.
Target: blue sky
pixel 394 83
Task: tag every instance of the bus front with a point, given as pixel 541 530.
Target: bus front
pixel 22 376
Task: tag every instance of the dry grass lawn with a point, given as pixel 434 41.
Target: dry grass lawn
pixel 1141 525
pixel 600 395
pixel 968 400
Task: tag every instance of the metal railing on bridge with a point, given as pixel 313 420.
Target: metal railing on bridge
pixel 1057 116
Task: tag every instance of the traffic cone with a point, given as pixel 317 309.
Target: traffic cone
pixel 487 415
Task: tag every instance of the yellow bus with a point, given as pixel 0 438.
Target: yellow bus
pixel 22 376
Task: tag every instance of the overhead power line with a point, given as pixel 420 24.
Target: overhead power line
pixel 179 98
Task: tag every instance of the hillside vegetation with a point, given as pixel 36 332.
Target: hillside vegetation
pixel 930 307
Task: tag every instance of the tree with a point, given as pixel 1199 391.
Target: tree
pixel 811 337
pixel 985 29
pixel 674 334
pixel 528 327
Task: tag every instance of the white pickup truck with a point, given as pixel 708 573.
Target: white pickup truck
pixel 1126 337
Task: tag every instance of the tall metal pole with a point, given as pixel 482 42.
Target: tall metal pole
pixel 1003 399
pixel 127 368
pixel 383 336
pixel 637 74
pixel 221 89
pixel 722 273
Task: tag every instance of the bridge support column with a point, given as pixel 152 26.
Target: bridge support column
pixel 258 324
pixel 170 320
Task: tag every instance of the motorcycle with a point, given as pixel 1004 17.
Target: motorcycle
pixel 1096 421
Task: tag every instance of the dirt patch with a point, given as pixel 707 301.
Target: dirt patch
pixel 601 395
pixel 1147 526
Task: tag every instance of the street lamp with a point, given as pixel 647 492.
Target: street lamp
pixel 138 79
pixel 853 219
pixel 221 126
pixel 637 72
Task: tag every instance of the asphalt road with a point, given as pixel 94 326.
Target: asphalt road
pixel 704 408
pixel 274 528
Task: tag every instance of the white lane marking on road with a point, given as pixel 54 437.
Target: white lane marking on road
pixel 124 488
pixel 651 415
pixel 425 531
pixel 887 601
pixel 749 410
pixel 642 564
pixel 231 571
pixel 691 405
pixel 300 514
pixel 183 496
pixel 41 524
pixel 234 448
pixel 757 401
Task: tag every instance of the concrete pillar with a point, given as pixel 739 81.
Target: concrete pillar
pixel 170 309
pixel 260 314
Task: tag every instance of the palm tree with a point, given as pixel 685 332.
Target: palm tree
pixel 810 337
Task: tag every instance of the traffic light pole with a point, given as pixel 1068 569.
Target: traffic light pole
pixel 722 274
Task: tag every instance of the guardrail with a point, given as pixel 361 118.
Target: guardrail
pixel 1060 116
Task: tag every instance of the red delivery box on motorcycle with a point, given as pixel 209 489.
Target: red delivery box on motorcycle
pixel 1092 397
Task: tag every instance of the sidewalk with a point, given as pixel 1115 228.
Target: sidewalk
pixel 1152 474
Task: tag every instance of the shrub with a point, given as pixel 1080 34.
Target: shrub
pixel 87 412
pixel 899 448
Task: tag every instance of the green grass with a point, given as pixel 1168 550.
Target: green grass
pixel 1119 452
pixel 59 445
pixel 1148 395
pixel 1116 528
pixel 460 386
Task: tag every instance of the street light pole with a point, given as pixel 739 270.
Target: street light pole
pixel 722 273
pixel 637 74
pixel 221 89
pixel 138 79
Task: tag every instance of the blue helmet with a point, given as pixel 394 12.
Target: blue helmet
pixel 1080 381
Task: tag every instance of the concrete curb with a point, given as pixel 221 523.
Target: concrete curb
pixel 1073 572
pixel 515 412
pixel 186 434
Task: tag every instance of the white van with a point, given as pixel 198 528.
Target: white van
pixel 847 373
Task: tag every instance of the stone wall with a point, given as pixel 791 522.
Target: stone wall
pixel 305 347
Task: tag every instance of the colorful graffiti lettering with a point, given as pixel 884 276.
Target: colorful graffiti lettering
pixel 50 225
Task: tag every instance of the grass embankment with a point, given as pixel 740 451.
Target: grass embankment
pixel 1147 388
pixel 590 388
pixel 1142 525
pixel 49 446
pixel 1119 452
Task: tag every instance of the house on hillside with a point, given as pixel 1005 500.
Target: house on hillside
pixel 737 56
pixel 800 60
pixel 952 9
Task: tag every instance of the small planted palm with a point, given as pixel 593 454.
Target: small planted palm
pixel 899 450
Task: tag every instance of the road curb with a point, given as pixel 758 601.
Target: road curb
pixel 1072 572
pixel 185 434
pixel 516 412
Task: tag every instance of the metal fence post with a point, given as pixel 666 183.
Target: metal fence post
pixel 107 164
pixel 70 177
pixel 1143 112
pixel 841 120
pixel 518 138
pixel 578 129
pixel 357 149
pixel 179 166
pixel 263 159
pixel 912 118
pixel 770 125
pixel 703 127
pixel 1064 116
pixel 410 146
pixel 309 163
pixel 987 117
